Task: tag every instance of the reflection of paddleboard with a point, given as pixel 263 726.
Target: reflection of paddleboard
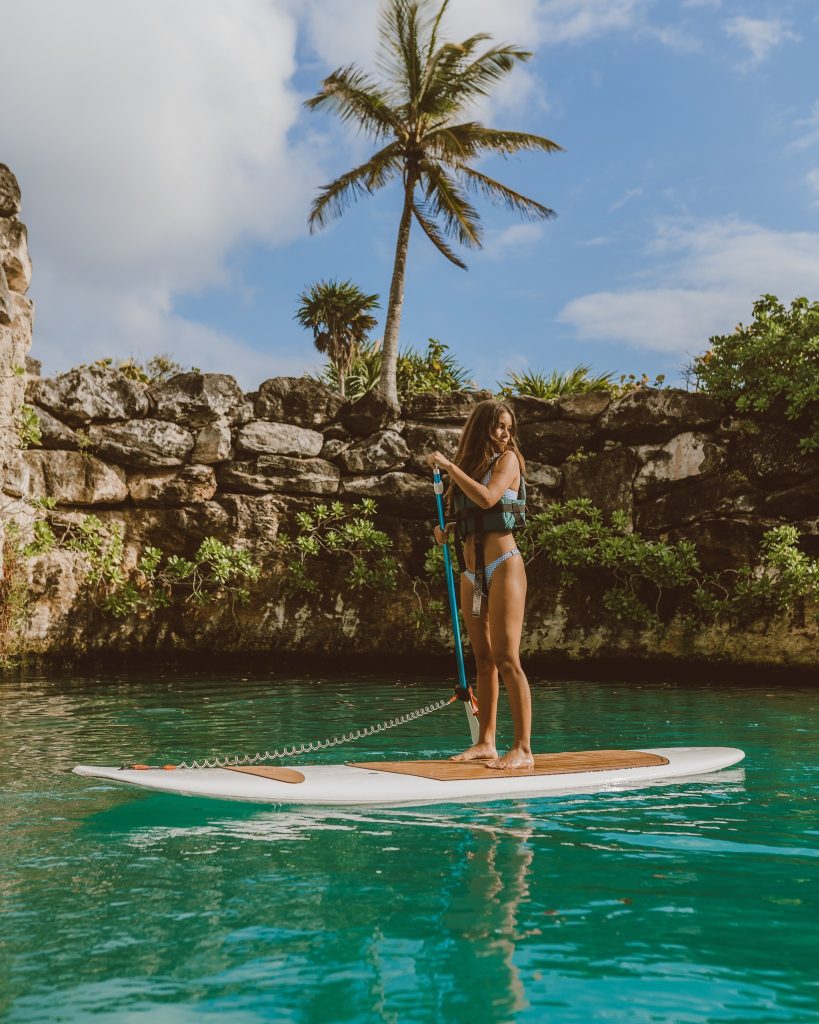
pixel 403 782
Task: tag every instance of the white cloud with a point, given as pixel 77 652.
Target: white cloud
pixel 149 141
pixel 706 277
pixel 759 36
pixel 596 242
pixel 810 130
pixel 632 193
pixel 511 240
pixel 812 181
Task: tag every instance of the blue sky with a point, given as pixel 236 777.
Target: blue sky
pixel 167 166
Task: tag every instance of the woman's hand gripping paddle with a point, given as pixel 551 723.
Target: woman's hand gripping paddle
pixel 463 689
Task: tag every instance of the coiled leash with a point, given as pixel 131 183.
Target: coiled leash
pixel 303 748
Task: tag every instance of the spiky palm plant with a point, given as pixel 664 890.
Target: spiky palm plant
pixel 339 315
pixel 416 111
pixel 552 385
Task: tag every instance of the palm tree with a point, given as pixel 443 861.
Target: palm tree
pixel 416 112
pixel 339 315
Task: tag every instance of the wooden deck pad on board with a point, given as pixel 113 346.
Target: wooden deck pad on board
pixel 545 764
pixel 277 774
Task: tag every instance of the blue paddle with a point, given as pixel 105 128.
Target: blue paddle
pixel 463 690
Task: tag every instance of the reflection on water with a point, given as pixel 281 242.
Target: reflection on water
pixel 691 901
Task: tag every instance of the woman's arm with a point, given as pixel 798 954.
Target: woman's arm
pixel 504 472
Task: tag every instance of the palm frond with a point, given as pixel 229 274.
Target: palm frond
pixel 362 180
pixel 449 202
pixel 435 234
pixel 459 142
pixel 355 97
pixel 504 196
pixel 458 85
pixel 442 68
pixel 399 57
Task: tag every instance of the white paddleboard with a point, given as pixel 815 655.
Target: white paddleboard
pixel 388 783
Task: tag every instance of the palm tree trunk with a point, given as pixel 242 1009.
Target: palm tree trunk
pixel 387 384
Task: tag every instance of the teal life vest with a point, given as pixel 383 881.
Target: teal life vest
pixel 503 516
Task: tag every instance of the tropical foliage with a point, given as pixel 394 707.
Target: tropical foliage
pixel 552 385
pixel 434 371
pixel 337 531
pixel 419 111
pixel 340 316
pixel 644 581
pixel 775 359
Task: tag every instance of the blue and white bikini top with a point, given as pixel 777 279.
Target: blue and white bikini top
pixel 509 494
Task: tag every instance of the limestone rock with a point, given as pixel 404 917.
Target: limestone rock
pixel 650 415
pixel 529 409
pixel 54 433
pixel 147 442
pixel 333 447
pixel 605 479
pixel 770 455
pixel 190 485
pixel 384 450
pixel 9 193
pixel 300 400
pixel 212 443
pixel 34 367
pixel 17 478
pixel 721 496
pixel 369 414
pixel 90 393
pixel 261 437
pixel 553 442
pixel 423 438
pixel 403 491
pixel 683 457
pixel 550 478
pixel 197 399
pixel 5 299
pixel 74 479
pixel 452 408
pixel 279 474
pixel 800 502
pixel 14 256
pixel 587 406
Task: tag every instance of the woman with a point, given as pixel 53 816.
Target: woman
pixel 486 498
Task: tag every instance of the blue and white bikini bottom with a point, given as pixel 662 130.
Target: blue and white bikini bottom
pixel 490 568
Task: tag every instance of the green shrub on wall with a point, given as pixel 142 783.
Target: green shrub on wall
pixel 635 574
pixel 775 359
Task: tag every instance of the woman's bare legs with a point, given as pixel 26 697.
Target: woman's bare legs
pixel 487 680
pixel 507 600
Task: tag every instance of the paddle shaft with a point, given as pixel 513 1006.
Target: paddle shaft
pixel 463 685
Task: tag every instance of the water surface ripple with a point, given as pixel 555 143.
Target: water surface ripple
pixel 692 902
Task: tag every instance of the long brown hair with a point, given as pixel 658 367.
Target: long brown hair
pixel 477 448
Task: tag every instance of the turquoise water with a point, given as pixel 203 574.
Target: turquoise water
pixel 685 903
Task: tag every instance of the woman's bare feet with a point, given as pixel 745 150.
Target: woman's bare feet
pixel 514 758
pixel 477 752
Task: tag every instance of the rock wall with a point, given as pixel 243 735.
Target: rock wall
pixel 195 456
pixel 16 315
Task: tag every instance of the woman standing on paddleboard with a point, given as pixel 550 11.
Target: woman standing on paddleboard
pixel 486 501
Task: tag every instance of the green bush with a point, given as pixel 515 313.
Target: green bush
pixel 435 371
pixel 774 359
pixel 343 533
pixel 635 573
pixel 538 384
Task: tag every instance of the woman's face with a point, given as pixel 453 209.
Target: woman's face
pixel 502 430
